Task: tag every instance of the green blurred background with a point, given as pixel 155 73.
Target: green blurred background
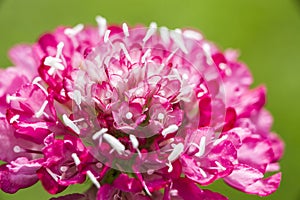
pixel 267 32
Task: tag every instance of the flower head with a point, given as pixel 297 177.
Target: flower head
pixel 136 110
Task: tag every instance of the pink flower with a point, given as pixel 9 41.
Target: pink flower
pixel 144 113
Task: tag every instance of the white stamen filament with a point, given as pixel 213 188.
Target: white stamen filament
pixel 59 47
pixel 14 119
pixel 101 25
pixel 14 98
pixel 17 149
pixel 176 35
pixel 76 159
pixel 41 111
pixel 146 55
pixel 192 35
pixel 202 172
pixel 218 141
pixel 76 96
pixel 70 124
pixel 220 165
pixel 106 36
pixel 171 55
pixel 201 147
pixel 207 52
pixel 134 141
pixel 152 29
pixel 177 150
pixel 122 46
pixel 99 133
pixel 125 29
pixel 129 115
pixel 93 179
pixel 36 82
pixel 53 175
pixel 114 143
pixel 74 31
pixel 164 34
pixel 170 129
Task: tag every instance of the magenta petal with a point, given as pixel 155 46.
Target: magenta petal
pixel 260 151
pixel 105 192
pixel 127 184
pixel 265 186
pixel 19 174
pixel 242 176
pixel 48 182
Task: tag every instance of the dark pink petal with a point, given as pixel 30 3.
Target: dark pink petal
pixel 242 176
pixel 127 184
pixel 260 150
pixel 18 174
pixel 265 186
pixel 49 183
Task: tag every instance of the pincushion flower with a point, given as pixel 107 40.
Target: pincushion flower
pixel 144 113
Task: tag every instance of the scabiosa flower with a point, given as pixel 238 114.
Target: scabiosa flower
pixel 144 113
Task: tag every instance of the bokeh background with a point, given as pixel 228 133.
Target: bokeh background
pixel 267 33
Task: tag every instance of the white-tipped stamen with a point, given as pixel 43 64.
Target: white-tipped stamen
pixel 170 129
pixel 55 62
pixel 14 119
pixel 106 36
pixel 41 111
pixel 53 175
pixel 14 98
pixel 59 47
pixel 218 141
pixel 98 134
pixel 152 29
pixel 177 150
pixel 164 34
pixel 125 29
pixel 204 91
pixel 207 52
pixel 176 35
pixel 17 149
pixel 202 172
pixel 101 25
pixel 122 46
pixel 160 116
pixel 129 115
pixel 134 141
pixel 146 55
pixel 76 96
pixel 220 165
pixel 69 123
pixel 63 168
pixel 201 147
pixel 114 143
pixel 76 159
pixel 171 55
pixel 191 34
pixel 93 179
pixel 74 31
pixel 36 82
